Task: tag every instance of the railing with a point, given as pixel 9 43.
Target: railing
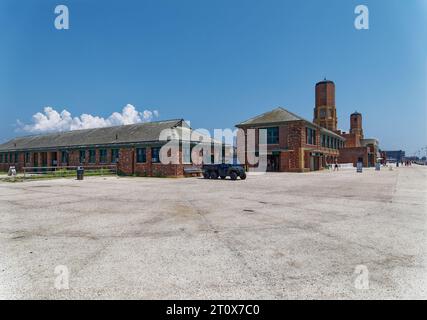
pixel 68 171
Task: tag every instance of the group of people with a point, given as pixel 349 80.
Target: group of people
pixel 407 163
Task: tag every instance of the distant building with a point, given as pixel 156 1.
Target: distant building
pixel 395 155
pixel 357 148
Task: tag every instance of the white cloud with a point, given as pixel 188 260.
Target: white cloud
pixel 52 121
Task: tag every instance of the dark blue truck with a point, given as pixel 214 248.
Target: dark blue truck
pixel 224 170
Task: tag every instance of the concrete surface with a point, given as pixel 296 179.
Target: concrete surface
pixel 274 236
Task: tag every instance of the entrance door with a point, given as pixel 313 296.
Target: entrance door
pixel 35 159
pixel 54 159
pixel 314 163
pixel 272 163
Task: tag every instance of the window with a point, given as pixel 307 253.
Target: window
pixel 92 156
pixel 27 157
pixel 141 155
pixel 323 140
pixel 102 155
pixel 64 157
pixel 1 157
pixel 16 157
pixel 155 155
pixel 272 135
pixel 310 136
pixel 114 155
pixel 82 156
pixel 322 113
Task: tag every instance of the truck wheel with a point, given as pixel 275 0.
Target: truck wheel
pixel 206 175
pixel 214 175
pixel 243 176
pixel 233 175
pixel 223 177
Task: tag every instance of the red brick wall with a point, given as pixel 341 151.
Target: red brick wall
pixel 126 164
pixel 295 152
pixel 351 155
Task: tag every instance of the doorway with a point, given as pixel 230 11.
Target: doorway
pixel 314 163
pixel 272 163
pixel 54 159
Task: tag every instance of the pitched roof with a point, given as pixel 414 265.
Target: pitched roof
pixel 134 133
pixel 279 115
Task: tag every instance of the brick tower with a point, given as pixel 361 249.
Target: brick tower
pixel 325 113
pixel 356 125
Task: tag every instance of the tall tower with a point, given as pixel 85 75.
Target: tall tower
pixel 325 113
pixel 356 127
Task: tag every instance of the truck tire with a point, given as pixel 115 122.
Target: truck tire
pixel 243 176
pixel 223 177
pixel 233 175
pixel 206 175
pixel 214 175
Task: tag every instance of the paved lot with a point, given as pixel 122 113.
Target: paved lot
pixel 272 236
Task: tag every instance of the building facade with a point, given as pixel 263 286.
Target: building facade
pixel 325 112
pixel 356 148
pixel 297 145
pixel 134 149
pixel 293 143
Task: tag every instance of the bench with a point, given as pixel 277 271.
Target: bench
pixel 192 172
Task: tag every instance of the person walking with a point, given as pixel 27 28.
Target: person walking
pixel 336 167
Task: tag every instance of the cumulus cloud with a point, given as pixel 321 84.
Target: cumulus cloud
pixel 51 120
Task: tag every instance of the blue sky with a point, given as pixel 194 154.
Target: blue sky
pixel 218 62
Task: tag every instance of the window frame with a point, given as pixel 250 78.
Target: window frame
pixel 114 155
pixel 310 136
pixel 67 158
pixel 158 154
pixel 82 152
pixel 103 155
pixel 271 138
pixel 143 155
pixel 90 159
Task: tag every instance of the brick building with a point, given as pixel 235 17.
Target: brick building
pixel 356 148
pixel 133 148
pixel 293 143
pixel 297 145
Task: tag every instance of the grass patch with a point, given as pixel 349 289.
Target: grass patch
pixel 59 174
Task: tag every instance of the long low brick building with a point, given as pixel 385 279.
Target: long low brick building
pixel 135 149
